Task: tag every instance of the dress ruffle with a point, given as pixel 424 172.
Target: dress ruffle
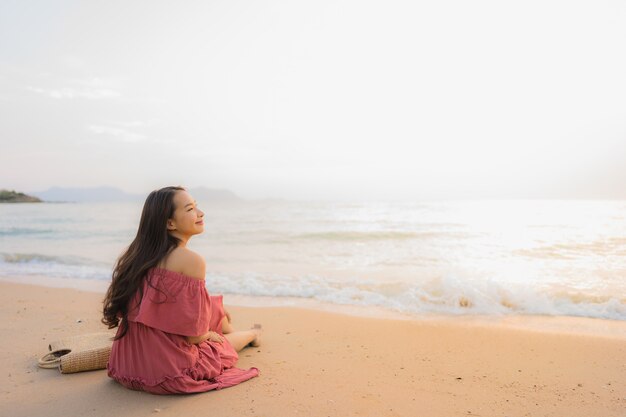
pixel 174 303
pixel 197 378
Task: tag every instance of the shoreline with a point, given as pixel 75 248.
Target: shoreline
pixel 614 329
pixel 320 363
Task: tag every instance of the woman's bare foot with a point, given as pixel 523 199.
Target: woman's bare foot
pixel 257 340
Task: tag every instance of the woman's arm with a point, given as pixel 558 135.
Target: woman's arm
pixel 197 339
pixel 212 336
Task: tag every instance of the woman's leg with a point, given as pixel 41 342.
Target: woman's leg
pixel 241 339
pixel 226 326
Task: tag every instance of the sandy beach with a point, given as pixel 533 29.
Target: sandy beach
pixel 319 363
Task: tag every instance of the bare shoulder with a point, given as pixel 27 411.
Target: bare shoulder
pixel 186 262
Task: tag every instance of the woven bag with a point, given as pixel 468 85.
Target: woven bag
pixel 79 353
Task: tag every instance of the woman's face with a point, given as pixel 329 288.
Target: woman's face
pixel 188 218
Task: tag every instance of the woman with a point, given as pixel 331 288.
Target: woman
pixel 173 337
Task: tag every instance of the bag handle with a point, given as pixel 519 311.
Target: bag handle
pixel 52 359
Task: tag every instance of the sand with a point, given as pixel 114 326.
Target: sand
pixel 320 363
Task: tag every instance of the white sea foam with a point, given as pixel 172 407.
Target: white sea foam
pixel 442 295
pixel 446 295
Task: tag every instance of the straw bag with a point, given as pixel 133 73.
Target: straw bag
pixel 79 353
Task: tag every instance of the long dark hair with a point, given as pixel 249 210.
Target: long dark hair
pixel 150 246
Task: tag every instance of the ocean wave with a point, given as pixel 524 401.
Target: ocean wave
pixel 373 235
pixel 443 295
pixel 612 246
pixel 40 258
pixel 50 265
pixel 25 231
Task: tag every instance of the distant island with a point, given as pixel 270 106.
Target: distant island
pixel 12 196
pixel 112 194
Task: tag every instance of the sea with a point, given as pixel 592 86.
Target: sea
pixel 451 258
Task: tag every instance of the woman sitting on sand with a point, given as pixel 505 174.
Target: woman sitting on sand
pixel 173 337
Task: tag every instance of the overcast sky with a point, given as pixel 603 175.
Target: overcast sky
pixel 317 99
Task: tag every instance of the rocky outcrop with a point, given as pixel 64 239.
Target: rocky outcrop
pixel 12 196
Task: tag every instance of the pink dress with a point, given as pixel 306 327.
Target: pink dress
pixel 154 355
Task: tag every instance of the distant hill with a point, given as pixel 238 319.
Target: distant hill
pixel 12 196
pixel 112 194
pixel 95 194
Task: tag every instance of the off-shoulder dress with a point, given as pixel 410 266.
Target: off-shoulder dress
pixel 154 355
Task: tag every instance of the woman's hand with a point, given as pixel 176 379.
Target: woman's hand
pixel 214 337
